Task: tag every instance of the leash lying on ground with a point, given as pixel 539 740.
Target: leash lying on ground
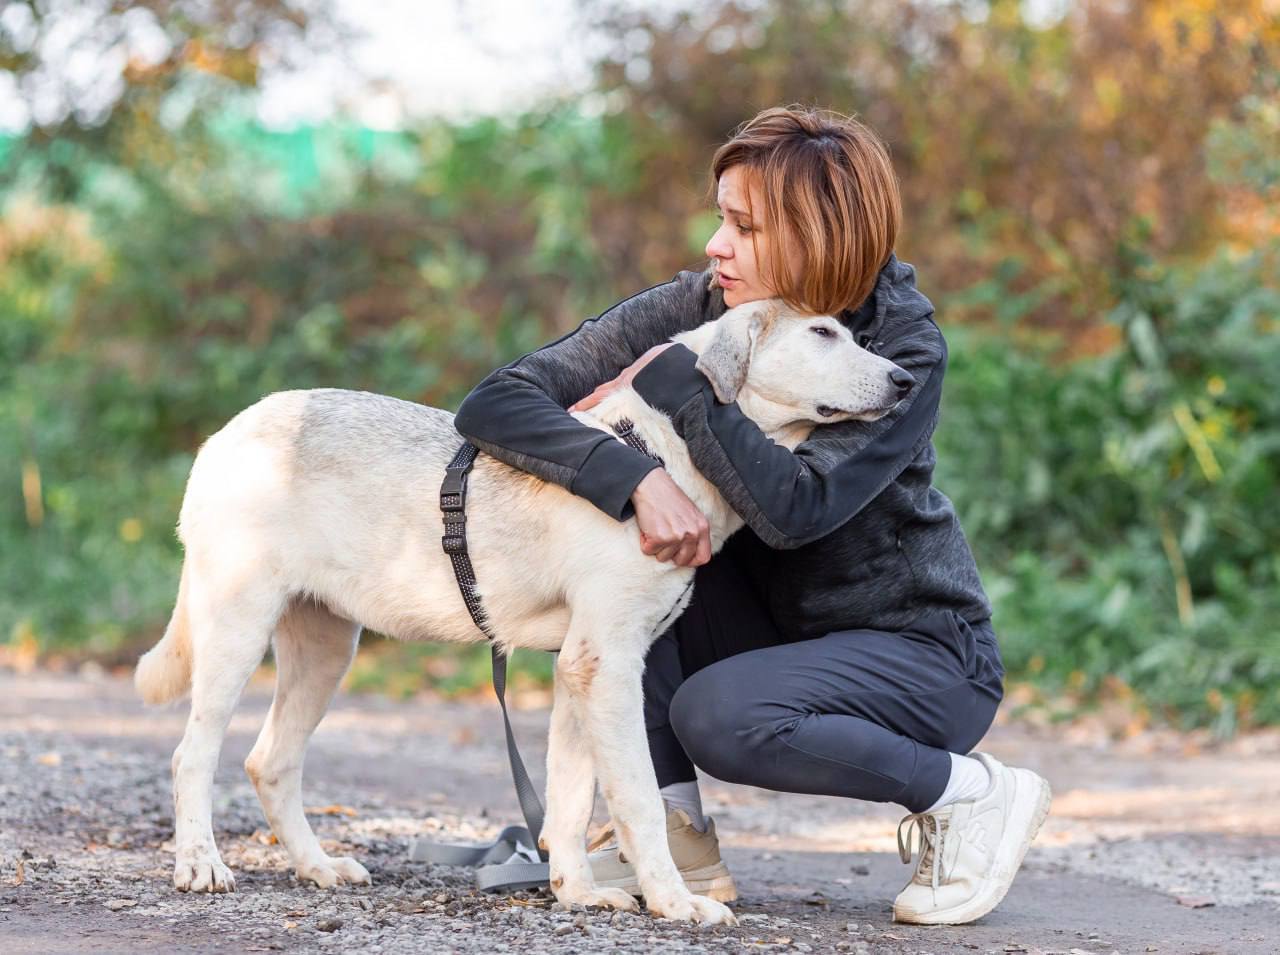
pixel 513 860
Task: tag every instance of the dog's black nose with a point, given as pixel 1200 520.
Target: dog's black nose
pixel 902 380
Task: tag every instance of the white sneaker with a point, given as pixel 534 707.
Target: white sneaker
pixel 970 850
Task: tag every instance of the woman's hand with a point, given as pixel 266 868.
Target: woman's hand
pixel 622 381
pixel 671 526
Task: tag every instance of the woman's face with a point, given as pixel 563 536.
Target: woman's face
pixel 739 274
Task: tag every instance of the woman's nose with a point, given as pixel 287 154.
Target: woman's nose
pixel 717 247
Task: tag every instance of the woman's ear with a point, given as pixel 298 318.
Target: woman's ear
pixel 727 356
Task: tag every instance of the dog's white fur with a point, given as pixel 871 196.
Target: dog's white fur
pixel 313 514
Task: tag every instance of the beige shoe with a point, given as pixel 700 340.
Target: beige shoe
pixel 696 854
pixel 971 850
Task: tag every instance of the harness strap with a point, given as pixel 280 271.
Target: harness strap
pixel 626 430
pixel 514 860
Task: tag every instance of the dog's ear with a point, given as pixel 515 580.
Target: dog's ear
pixel 728 355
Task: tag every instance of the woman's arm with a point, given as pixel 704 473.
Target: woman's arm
pixel 517 414
pixel 791 499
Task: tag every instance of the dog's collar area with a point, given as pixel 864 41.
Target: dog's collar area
pixel 626 430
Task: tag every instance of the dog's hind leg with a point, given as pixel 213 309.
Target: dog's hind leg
pixel 313 648
pixel 231 624
pixel 571 787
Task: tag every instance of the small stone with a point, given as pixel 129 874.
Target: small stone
pixel 365 904
pixel 115 905
pixel 1193 902
pixel 329 925
pixel 564 929
pixel 851 926
pixel 580 922
pixel 442 898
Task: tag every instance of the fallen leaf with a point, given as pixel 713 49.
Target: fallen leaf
pixel 334 810
pixel 1195 901
pixel 49 759
pixel 20 875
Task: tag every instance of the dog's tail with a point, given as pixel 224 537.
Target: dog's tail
pixel 164 672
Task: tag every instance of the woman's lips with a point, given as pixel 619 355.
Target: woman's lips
pixel 726 280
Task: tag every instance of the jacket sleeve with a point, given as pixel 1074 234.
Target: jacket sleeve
pixel 791 499
pixel 517 414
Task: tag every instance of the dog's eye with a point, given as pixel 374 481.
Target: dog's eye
pixel 823 331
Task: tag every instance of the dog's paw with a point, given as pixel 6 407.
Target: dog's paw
pixel 688 907
pixel 330 872
pixel 606 898
pixel 202 873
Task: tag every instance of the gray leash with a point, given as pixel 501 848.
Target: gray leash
pixel 513 860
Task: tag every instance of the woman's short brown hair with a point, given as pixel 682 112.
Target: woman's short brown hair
pixel 830 197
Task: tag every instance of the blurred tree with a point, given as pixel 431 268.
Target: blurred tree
pixel 1027 151
pixel 117 78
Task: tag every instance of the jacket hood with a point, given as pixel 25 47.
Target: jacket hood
pixel 895 297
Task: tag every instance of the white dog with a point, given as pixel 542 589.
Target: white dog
pixel 315 513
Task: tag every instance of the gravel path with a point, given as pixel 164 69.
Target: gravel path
pixel 1155 844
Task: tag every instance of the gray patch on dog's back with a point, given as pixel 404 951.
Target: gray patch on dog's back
pixel 333 421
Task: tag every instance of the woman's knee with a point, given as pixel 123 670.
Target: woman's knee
pixel 718 725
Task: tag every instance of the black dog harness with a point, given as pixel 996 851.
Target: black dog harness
pixel 509 862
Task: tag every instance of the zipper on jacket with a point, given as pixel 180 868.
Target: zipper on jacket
pixel 897 539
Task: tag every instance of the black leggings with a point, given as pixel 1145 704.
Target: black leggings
pixel 860 713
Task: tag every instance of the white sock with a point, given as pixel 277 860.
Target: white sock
pixel 686 796
pixel 969 779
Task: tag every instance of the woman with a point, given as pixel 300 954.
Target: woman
pixel 841 643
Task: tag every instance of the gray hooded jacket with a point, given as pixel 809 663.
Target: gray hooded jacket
pixel 847 532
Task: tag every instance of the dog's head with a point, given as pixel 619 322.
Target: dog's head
pixel 807 364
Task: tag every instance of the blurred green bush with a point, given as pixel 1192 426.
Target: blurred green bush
pixel 1122 507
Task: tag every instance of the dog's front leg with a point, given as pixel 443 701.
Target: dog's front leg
pixel 571 785
pixel 613 717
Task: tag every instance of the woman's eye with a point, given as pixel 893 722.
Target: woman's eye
pixel 742 229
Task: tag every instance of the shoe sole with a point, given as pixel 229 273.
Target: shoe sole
pixel 713 881
pixel 995 889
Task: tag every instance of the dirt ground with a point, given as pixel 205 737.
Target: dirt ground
pixel 1159 843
